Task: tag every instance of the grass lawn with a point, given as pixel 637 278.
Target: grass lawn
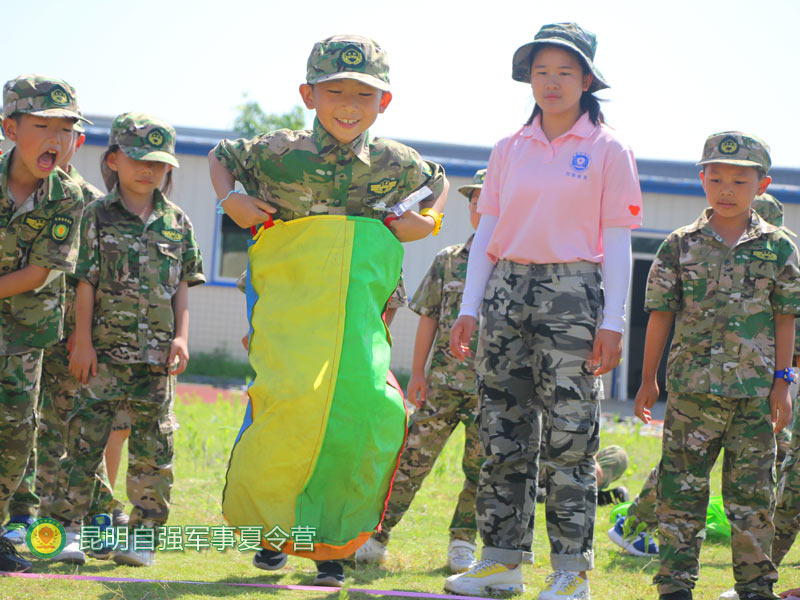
pixel 418 547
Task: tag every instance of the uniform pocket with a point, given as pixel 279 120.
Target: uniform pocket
pixel 170 266
pixel 576 406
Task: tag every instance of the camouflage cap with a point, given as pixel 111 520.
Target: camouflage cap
pixel 143 137
pixel 568 35
pixel 477 184
pixel 736 148
pixel 348 57
pixel 41 96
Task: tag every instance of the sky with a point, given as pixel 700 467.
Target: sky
pixel 679 70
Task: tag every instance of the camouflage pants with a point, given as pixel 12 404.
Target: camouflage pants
pixel 536 390
pixel 19 392
pixel 696 428
pixel 428 431
pixel 56 401
pixel 787 511
pixel 148 391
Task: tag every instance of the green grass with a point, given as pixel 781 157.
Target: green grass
pixel 217 364
pixel 418 547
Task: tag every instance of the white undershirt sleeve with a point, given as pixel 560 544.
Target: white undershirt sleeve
pixel 616 276
pixel 479 267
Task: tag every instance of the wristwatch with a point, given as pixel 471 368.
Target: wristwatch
pixel 787 374
pixel 436 216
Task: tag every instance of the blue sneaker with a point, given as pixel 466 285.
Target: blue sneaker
pixel 638 543
pixel 17 528
pixel 103 521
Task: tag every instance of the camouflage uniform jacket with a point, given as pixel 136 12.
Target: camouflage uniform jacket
pixel 304 173
pixel 90 194
pixel 44 232
pixel 135 268
pixel 725 298
pixel 439 297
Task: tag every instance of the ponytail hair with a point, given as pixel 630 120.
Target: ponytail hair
pixel 588 103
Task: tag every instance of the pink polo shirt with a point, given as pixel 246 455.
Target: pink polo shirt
pixel 553 198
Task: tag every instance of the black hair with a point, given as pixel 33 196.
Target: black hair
pixel 111 178
pixel 588 103
pixel 760 172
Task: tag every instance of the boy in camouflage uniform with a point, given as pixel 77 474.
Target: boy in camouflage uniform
pixel 635 531
pixel 58 389
pixel 336 168
pixel 40 212
pixel 444 400
pixel 138 259
pixel 732 280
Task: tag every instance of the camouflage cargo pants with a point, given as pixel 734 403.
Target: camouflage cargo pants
pixel 19 393
pixel 37 490
pixel 429 429
pixel 696 428
pixel 536 389
pixel 148 390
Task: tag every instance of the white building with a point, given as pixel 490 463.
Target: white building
pixel 672 197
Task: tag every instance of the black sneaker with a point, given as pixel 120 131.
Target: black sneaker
pixel 679 595
pixel 10 559
pixel 269 560
pixel 330 573
pixel 615 496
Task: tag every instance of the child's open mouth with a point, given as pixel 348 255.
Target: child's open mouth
pixel 47 160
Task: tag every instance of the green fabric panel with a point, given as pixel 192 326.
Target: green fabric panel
pixel 345 494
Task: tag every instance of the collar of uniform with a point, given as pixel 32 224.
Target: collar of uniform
pixel 756 228
pixel 326 143
pixel 159 203
pixel 48 189
pixel 582 128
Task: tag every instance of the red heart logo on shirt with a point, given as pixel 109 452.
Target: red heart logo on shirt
pixel 634 209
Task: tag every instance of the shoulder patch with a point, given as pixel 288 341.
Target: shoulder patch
pixel 383 187
pixel 765 255
pixel 173 235
pixel 60 228
pixel 35 224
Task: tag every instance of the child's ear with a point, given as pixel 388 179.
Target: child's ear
pixel 111 161
pixel 79 142
pixel 307 94
pixel 10 128
pixel 385 100
pixel 765 181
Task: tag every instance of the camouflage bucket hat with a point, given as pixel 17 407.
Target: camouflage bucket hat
pixel 143 137
pixel 477 184
pixel 567 35
pixel 41 96
pixel 736 148
pixel 348 57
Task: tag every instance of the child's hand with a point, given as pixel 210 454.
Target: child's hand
pixel 645 399
pixel 607 351
pixel 780 404
pixel 180 349
pixel 247 211
pixel 246 341
pixel 83 362
pixel 417 391
pixel 411 226
pixel 461 336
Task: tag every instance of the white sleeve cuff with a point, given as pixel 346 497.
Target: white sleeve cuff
pixel 616 276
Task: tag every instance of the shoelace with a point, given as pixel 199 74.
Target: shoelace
pixel 564 577
pixel 483 565
pixel 7 547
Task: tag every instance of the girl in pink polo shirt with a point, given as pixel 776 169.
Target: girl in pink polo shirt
pixel 560 198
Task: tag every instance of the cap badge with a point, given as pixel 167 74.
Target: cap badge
pixel 155 138
pixel 352 56
pixel 59 96
pixel 729 145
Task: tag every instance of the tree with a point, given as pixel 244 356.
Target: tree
pixel 252 120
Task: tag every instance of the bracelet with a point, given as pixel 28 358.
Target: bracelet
pixel 436 216
pixel 220 210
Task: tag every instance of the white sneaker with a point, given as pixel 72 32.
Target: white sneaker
pixel 72 552
pixel 372 552
pixel 731 594
pixel 135 558
pixel 486 576
pixel 461 556
pixel 565 585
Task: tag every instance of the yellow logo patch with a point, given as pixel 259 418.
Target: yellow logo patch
pixel 59 96
pixel 383 187
pixel 171 234
pixel 60 228
pixel 352 56
pixel 35 224
pixel 46 538
pixel 155 138
pixel 729 145
pixel 765 255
